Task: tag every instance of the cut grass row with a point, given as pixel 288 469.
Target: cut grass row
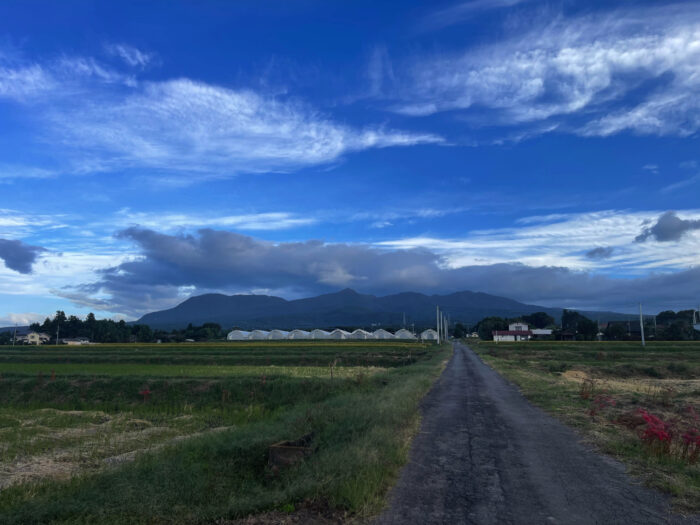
pixel 295 354
pixel 663 379
pixel 361 428
pixel 148 370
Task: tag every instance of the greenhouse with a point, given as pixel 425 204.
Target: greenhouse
pixel 339 334
pixel 238 335
pixel 299 334
pixel 360 334
pixel 320 334
pixel 429 335
pixel 404 334
pixel 278 334
pixel 382 334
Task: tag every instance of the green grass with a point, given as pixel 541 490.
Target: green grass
pixel 662 377
pixel 361 422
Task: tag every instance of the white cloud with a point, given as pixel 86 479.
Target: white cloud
pixel 186 126
pixel 463 11
pixel 130 55
pixel 575 66
pixel 565 240
pixel 173 221
pixel 21 83
pixel 22 319
pixel 95 118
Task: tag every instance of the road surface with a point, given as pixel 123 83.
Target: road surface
pixel 485 455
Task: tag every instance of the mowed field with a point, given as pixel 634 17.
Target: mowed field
pixel 180 433
pixel 641 405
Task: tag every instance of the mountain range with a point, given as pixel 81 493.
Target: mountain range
pixel 346 308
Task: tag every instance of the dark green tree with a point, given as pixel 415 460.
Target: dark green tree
pixel 488 325
pixel 539 319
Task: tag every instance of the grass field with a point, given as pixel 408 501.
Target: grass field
pixel 640 405
pixel 180 433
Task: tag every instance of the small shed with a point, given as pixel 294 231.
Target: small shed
pixel 382 334
pixel 429 335
pixel 238 335
pixel 404 334
pixel 278 334
pixel 299 334
pixel 320 334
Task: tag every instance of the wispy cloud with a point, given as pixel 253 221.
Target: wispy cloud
pixel 95 118
pixel 463 11
pixel 566 240
pixel 130 55
pixel 174 221
pixel 587 66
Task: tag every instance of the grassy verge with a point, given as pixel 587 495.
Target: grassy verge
pixel 603 389
pixel 361 427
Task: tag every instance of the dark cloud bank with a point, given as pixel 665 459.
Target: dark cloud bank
pixel 230 262
pixel 669 227
pixel 18 256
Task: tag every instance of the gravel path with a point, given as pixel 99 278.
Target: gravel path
pixel 484 455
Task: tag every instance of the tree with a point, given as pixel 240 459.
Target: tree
pixel 488 325
pixel 539 319
pixel 615 332
pixel 587 329
pixel 459 331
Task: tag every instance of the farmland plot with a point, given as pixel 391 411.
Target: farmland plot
pixel 180 433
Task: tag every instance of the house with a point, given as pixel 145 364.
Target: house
pixel 541 333
pixel 429 335
pixel 404 334
pixel 382 334
pixel 34 338
pixel 515 332
pixel 238 335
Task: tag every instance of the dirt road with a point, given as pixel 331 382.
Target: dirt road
pixel 485 456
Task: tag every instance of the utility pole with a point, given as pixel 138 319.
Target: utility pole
pixel 438 322
pixel 58 327
pixel 641 323
pixel 14 335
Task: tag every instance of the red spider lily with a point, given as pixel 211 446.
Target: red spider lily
pixel 600 402
pixel 692 437
pixel 146 393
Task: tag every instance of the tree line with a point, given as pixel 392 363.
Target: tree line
pixel 110 331
pixel 666 326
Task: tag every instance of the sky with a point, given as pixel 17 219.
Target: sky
pixel 545 151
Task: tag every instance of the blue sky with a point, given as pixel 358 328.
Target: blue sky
pixel 544 151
